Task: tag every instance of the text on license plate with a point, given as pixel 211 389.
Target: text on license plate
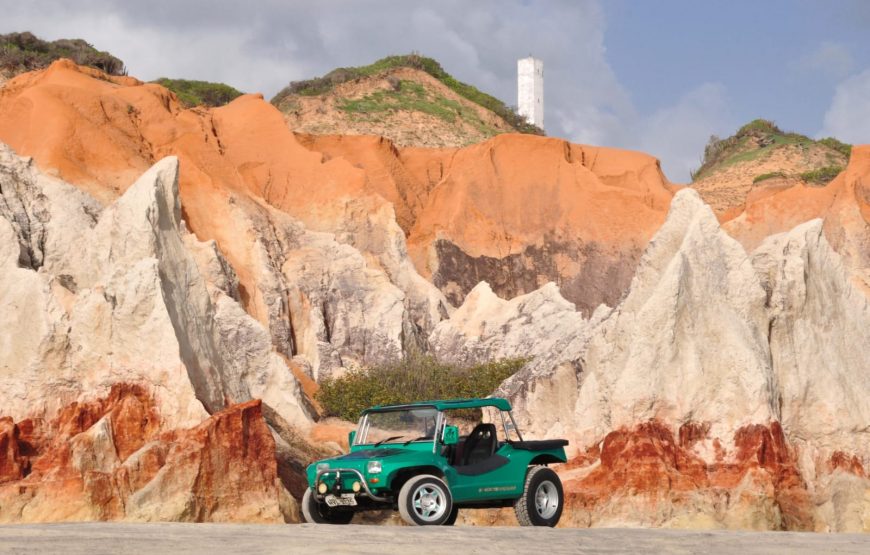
pixel 346 500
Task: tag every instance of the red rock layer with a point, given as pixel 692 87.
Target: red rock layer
pixel 846 462
pixel 647 462
pixel 13 465
pixel 107 459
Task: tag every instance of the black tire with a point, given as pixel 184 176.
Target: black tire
pixel 454 514
pixel 543 499
pixel 425 500
pixel 316 512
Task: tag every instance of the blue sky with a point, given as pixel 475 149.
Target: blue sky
pixel 658 76
pixel 777 59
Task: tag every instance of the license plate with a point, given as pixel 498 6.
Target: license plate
pixel 346 500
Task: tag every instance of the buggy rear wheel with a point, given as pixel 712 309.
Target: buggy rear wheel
pixel 542 500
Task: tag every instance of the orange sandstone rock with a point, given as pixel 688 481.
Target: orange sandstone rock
pixel 107 460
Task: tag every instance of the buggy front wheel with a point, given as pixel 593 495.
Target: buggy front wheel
pixel 425 500
pixel 315 512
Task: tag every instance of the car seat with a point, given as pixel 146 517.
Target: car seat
pixel 480 445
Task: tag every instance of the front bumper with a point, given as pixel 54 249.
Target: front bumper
pixel 337 481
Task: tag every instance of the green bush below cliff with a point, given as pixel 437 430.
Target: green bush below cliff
pixel 416 378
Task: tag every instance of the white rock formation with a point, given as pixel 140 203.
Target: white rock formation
pixel 330 304
pixel 101 296
pixel 487 327
pixel 689 341
pixel 708 334
pixel 819 343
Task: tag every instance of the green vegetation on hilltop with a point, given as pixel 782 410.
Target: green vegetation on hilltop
pixel 200 93
pixel 412 96
pixel 321 85
pixel 20 52
pixel 757 139
pixel 416 378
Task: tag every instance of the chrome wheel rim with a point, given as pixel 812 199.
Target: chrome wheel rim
pixel 546 499
pixel 429 502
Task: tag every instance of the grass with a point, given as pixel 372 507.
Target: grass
pixel 766 176
pixel 412 96
pixel 20 52
pixel 822 176
pixel 199 93
pixel 416 378
pixel 321 85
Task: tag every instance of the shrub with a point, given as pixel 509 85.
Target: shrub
pixel 200 93
pixel 21 52
pixel 822 176
pixel 765 176
pixel 839 146
pixel 416 378
pixel 759 126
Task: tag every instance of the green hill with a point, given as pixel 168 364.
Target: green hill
pixel 759 139
pixel 323 85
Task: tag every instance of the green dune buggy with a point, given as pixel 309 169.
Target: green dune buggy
pixel 415 459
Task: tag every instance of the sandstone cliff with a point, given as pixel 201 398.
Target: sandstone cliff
pixel 165 318
pixel 246 183
pixel 518 211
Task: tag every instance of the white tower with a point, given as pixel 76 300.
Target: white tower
pixel 530 90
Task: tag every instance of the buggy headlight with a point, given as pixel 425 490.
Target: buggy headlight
pixel 374 467
pixel 322 466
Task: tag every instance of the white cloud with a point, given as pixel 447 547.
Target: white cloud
pixel 829 58
pixel 150 51
pixel 848 117
pixel 677 134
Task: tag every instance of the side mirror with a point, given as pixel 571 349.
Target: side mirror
pixel 451 435
pixel 350 437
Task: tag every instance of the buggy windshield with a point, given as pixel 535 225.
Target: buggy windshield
pixel 397 426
